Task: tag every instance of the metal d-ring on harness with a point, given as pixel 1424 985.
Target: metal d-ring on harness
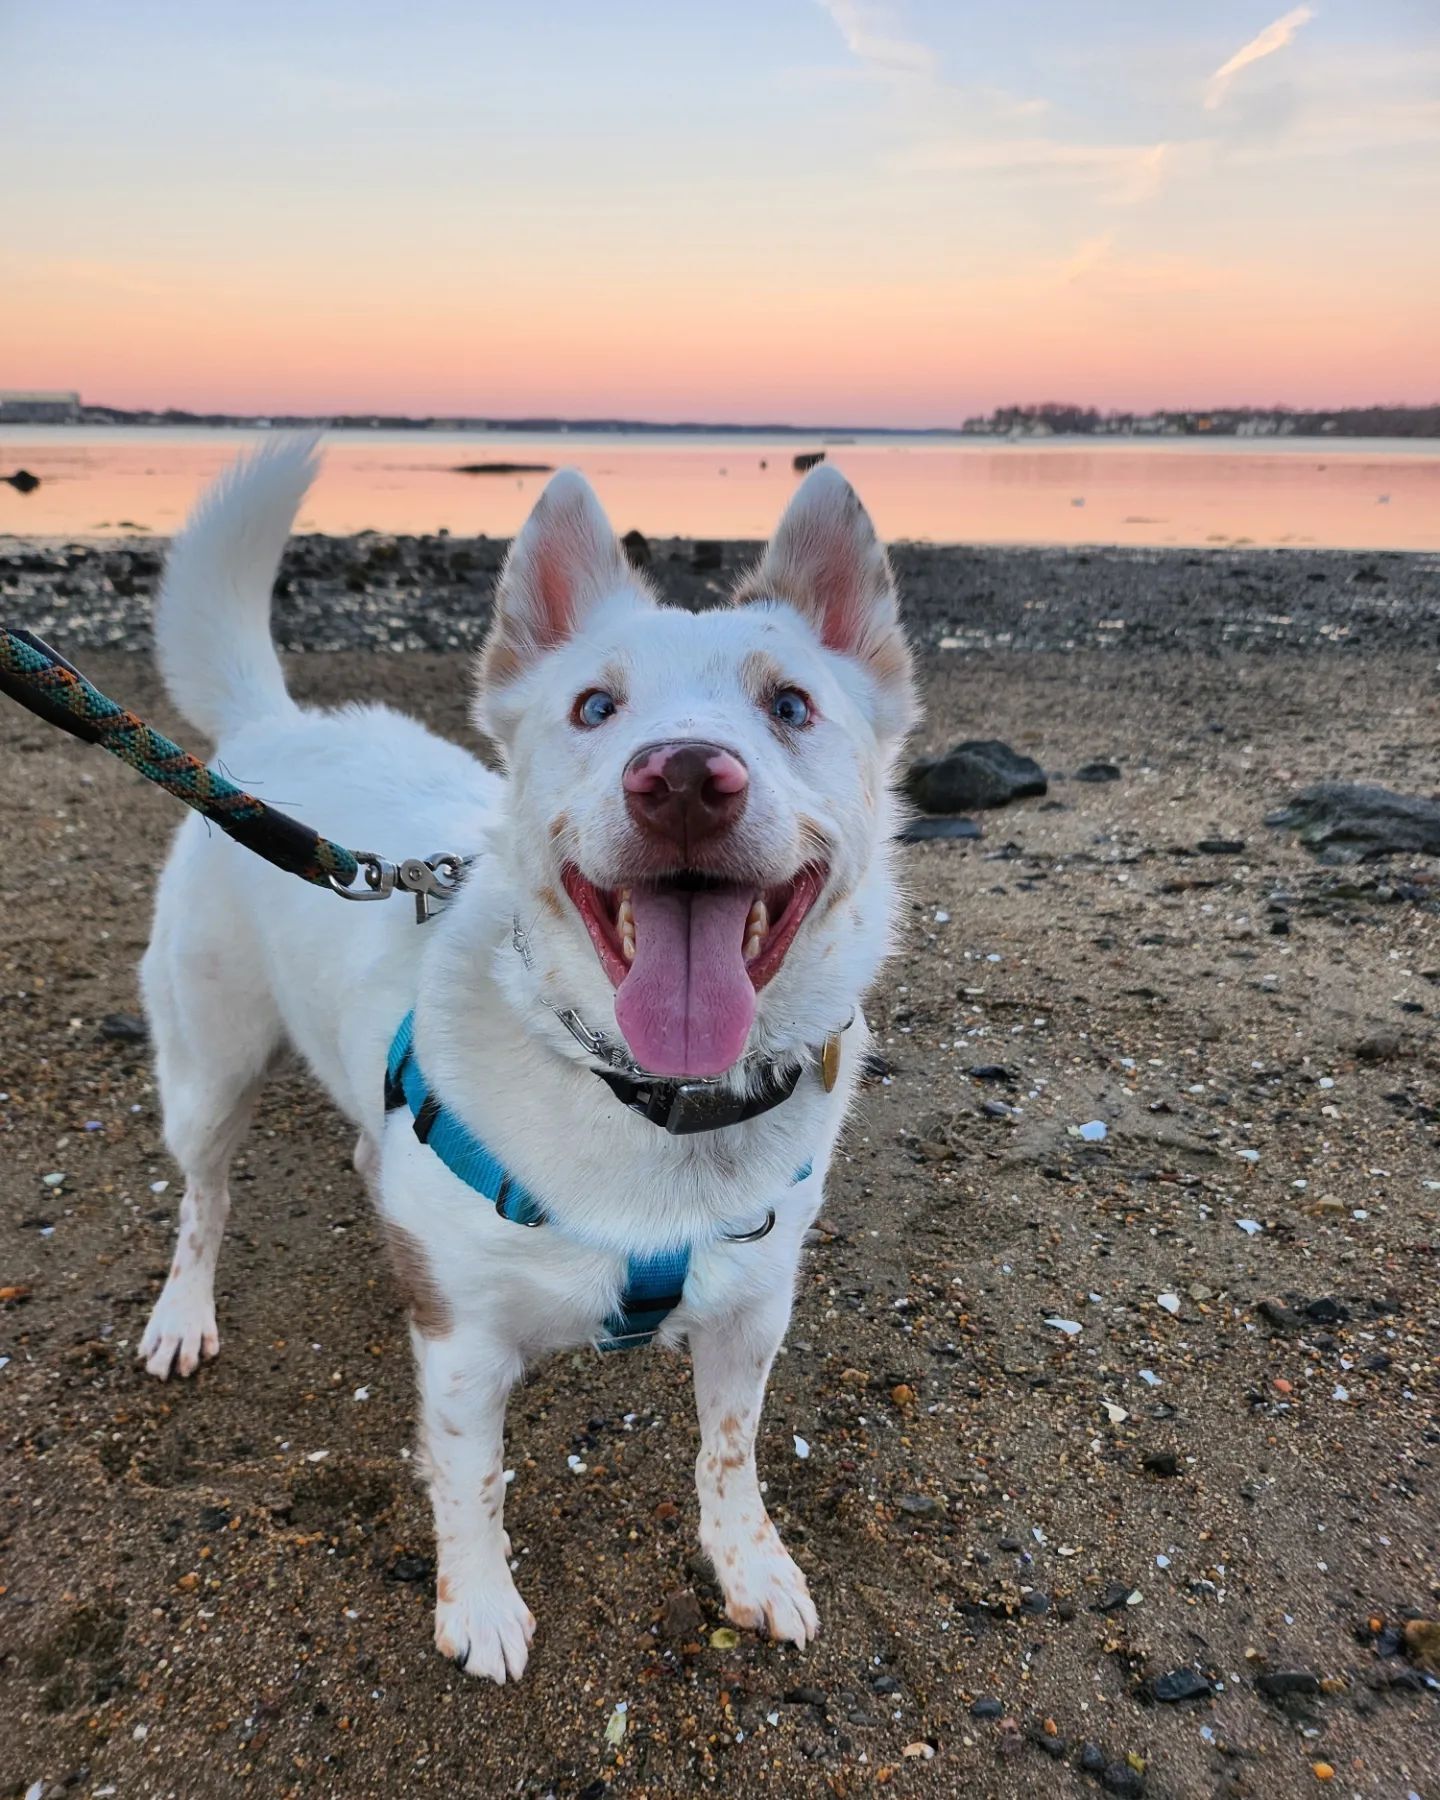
pixel 54 690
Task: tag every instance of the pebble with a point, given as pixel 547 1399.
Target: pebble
pixel 1180 1684
pixel 1071 1327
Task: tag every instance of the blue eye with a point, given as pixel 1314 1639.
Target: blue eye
pixel 791 708
pixel 595 708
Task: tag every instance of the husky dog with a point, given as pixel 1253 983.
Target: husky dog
pixel 638 1016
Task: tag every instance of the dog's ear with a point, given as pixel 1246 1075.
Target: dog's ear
pixel 564 560
pixel 826 561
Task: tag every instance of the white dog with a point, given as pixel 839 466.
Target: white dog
pixel 635 1025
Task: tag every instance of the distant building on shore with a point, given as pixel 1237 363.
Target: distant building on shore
pixel 34 406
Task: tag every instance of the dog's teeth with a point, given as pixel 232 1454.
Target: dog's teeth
pixel 627 947
pixel 625 917
pixel 757 925
pixel 752 947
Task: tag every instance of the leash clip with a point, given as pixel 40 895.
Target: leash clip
pixel 379 878
pixel 429 879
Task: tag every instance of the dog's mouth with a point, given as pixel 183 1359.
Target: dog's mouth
pixel 687 954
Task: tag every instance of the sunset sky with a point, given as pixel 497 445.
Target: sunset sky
pixel 836 211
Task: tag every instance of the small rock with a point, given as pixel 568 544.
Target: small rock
pixel 920 1506
pixel 986 1708
pixel 22 481
pixel 1098 771
pixel 1180 1684
pixel 1278 1684
pixel 1341 822
pixel 1220 846
pixel 410 1568
pixel 682 1618
pixel 1120 1778
pixel 1276 1313
pixel 1325 1311
pixel 1379 1047
pixel 1162 1463
pixel 977 774
pixel 806 1696
pixel 1092 1759
pixel 1422 1641
pixel 123 1028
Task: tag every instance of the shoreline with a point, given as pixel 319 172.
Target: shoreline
pixel 374 590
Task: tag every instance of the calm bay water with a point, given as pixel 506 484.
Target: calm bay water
pixel 1342 493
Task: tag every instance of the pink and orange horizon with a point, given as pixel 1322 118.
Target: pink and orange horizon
pixel 824 212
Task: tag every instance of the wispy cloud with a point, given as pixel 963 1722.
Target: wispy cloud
pixel 1274 37
pixel 872 35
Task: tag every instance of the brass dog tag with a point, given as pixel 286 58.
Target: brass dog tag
pixel 830 1061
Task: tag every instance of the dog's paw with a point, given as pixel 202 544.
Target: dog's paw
pixel 483 1626
pixel 765 1590
pixel 182 1332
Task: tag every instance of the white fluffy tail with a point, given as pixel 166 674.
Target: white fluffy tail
pixel 212 620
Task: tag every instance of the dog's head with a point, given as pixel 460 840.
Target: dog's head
pixel 701 811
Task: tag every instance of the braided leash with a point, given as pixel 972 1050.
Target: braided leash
pixel 42 681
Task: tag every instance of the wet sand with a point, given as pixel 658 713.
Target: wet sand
pixel 1013 1530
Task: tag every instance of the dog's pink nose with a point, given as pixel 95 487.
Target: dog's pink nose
pixel 685 792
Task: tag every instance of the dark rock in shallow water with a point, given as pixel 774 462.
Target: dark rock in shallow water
pixel 806 460
pixel 22 481
pixel 1344 822
pixel 636 546
pixel 981 772
pixel 504 468
pixel 920 831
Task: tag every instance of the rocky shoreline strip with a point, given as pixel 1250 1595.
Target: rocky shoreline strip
pixel 375 591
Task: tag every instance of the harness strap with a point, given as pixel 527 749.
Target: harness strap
pixel 41 679
pixel 654 1285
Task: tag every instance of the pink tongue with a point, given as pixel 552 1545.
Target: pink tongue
pixel 687 1005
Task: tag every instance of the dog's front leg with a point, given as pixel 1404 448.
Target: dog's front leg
pixel 481 1622
pixel 761 1582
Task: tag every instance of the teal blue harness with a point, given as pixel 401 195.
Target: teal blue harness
pixel 654 1285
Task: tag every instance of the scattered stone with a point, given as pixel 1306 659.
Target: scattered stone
pixel 1092 1759
pixel 1098 771
pixel 682 1619
pixel 123 1028
pixel 986 1708
pixel 1180 1684
pixel 1276 1313
pixel 1325 1311
pixel 1112 1598
pixel 1379 1047
pixel 1342 822
pixel 972 776
pixel 410 1568
pixel 1161 1463
pixel 1280 1684
pixel 22 481
pixel 920 1506
pixel 1422 1641
pixel 1220 846
pixel 807 1696
pixel 1120 1778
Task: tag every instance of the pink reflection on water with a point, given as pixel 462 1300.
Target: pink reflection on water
pixel 1366 495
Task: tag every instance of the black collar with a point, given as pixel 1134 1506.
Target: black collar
pixel 685 1107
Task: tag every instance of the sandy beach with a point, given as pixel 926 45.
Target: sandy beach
pixel 1119 1469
